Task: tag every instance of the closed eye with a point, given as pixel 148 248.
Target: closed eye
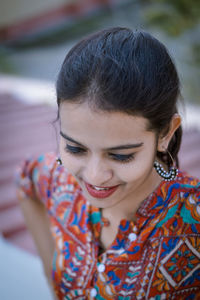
pixel 123 158
pixel 74 150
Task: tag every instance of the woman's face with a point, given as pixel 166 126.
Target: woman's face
pixel 110 154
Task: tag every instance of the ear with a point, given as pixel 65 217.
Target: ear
pixel 163 140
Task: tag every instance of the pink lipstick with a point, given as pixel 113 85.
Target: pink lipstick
pixel 100 193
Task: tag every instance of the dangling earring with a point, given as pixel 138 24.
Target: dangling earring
pixel 59 161
pixel 168 176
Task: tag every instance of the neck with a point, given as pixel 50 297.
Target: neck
pixel 127 208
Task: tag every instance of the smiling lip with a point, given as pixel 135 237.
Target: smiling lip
pixel 100 194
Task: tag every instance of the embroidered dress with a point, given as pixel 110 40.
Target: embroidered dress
pixel 155 257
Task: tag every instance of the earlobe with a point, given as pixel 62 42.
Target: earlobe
pixel 163 141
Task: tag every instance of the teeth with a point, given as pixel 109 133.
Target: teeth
pixel 100 189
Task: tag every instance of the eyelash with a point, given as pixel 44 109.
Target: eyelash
pixel 117 157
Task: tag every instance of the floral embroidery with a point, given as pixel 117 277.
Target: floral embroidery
pixel 161 283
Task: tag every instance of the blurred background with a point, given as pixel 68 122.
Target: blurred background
pixel 34 39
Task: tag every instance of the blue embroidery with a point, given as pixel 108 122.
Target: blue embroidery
pixel 170 246
pixel 113 278
pixel 192 278
pixel 125 228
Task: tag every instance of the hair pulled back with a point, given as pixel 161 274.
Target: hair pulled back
pixel 121 70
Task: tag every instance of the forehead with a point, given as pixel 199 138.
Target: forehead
pixel 81 122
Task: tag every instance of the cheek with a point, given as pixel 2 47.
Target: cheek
pixel 70 163
pixel 139 168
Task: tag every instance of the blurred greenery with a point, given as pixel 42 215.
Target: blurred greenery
pixel 173 16
pixel 196 52
pixel 179 20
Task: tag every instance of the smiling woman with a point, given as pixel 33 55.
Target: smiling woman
pixel 124 220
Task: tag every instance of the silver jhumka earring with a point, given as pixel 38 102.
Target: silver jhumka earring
pixel 166 175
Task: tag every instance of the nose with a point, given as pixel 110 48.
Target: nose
pixel 97 172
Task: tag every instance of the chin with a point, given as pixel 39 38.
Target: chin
pixel 100 202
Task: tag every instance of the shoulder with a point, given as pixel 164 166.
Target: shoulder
pixel 184 186
pixel 33 171
pixel 60 188
pixel 61 181
pixel 33 165
pixel 42 174
pixel 188 186
pixel 45 162
pixel 190 199
pixel 184 198
pixel 180 202
pixel 188 180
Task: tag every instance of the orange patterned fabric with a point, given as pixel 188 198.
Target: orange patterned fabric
pixel 155 257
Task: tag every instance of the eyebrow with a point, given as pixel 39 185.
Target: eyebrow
pixel 120 147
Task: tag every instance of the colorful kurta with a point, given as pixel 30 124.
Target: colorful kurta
pixel 155 257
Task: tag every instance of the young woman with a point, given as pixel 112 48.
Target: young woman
pixel 125 222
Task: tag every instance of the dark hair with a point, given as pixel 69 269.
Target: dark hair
pixel 121 70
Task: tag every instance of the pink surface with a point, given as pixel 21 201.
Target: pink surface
pixel 24 130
